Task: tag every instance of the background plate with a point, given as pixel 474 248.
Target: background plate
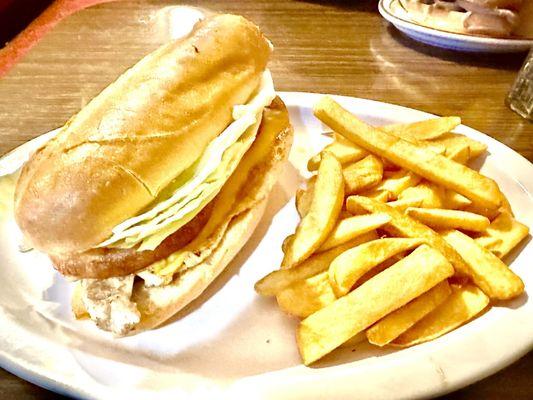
pixel 230 342
pixel 392 11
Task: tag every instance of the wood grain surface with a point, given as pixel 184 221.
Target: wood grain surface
pixel 329 47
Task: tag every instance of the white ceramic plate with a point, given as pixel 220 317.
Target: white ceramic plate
pixel 232 343
pixel 393 12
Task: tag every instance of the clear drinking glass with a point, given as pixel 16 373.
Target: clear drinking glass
pixel 520 98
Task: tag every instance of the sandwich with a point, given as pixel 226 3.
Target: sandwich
pixel 493 18
pixel 147 193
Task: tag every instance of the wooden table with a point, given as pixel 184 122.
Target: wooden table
pixel 327 47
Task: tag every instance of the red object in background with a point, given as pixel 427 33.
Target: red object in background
pixel 33 19
pixel 15 15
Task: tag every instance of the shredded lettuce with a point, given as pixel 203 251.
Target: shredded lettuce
pixel 7 192
pixel 198 185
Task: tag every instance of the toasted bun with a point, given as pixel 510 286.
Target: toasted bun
pixel 129 142
pixel 101 263
pixel 157 304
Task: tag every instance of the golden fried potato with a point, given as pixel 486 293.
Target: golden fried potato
pixel 328 328
pixel 278 280
pixel 314 228
pixel 382 196
pixel 304 197
pixel 459 154
pixel 286 243
pixel 431 146
pixel 461 306
pixel 488 271
pixel 396 182
pixel 454 200
pixel 427 164
pixel 503 235
pixel 506 206
pixel 359 338
pixel 421 277
pixel 347 268
pixel 437 218
pixel 404 226
pixel 404 204
pixel 344 150
pixel 397 322
pixel 307 296
pixel 455 142
pixel 378 195
pixel 432 195
pixel 423 130
pixel 362 174
pixel 379 268
pixel 351 227
pixel 490 213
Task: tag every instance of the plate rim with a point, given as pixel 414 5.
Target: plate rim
pixel 493 44
pixel 294 99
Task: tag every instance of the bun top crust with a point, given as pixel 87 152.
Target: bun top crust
pixel 113 157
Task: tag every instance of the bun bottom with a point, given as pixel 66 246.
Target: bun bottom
pixel 158 304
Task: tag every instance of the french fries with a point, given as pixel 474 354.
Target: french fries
pixel 351 227
pixel 307 296
pixel 405 226
pixel 402 205
pixel 503 235
pixel 344 150
pixel 432 196
pixel 286 243
pixel 416 133
pixel 437 218
pixel 488 271
pixel 461 306
pixel 304 197
pixel 397 181
pixel 506 206
pixel 425 163
pixel 379 268
pixel 434 147
pixel 362 174
pixel 460 155
pixel 379 195
pixel 359 338
pixel 399 321
pixel 328 328
pixel 393 266
pixel 490 213
pixel 278 280
pixel 423 130
pixel 454 144
pixel 347 268
pixel 454 200
pixel 388 166
pixel 328 196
